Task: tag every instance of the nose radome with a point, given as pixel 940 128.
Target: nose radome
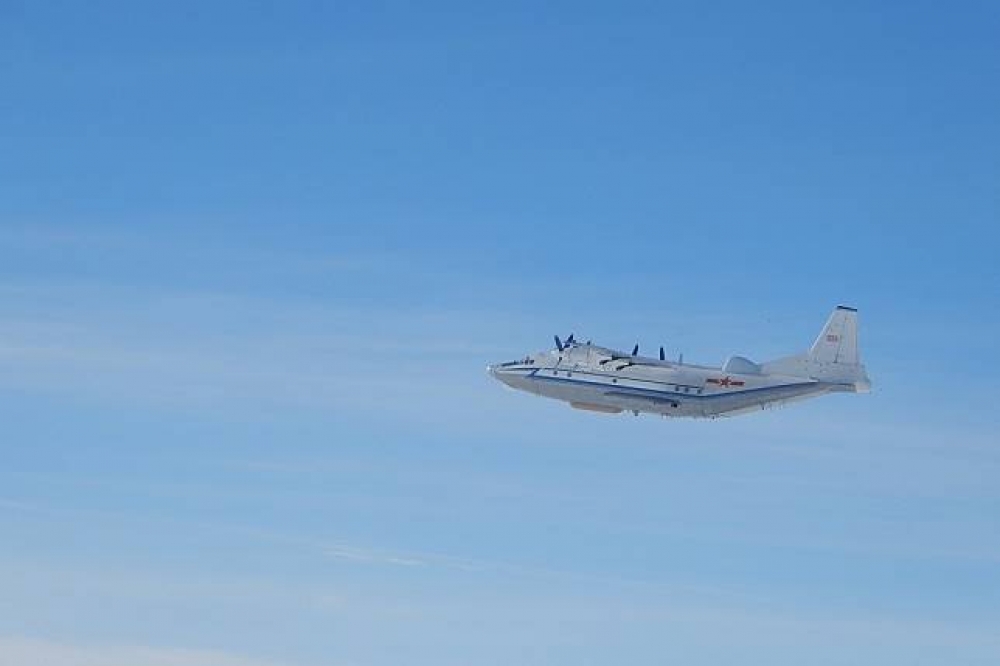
pixel 500 372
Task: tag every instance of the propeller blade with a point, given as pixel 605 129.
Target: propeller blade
pixel 570 340
pixel 663 355
pixel 635 350
pixel 559 344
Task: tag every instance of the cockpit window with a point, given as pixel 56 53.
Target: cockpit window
pixel 524 361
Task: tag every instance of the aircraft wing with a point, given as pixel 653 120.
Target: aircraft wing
pixel 619 361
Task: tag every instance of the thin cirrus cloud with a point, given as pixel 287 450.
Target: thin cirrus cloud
pixel 195 348
pixel 362 555
pixel 21 651
pixel 9 504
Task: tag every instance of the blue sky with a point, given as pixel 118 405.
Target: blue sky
pixel 254 260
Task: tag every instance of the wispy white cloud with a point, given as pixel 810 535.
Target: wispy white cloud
pixel 20 651
pixel 112 243
pixel 367 555
pixel 199 350
pixel 16 505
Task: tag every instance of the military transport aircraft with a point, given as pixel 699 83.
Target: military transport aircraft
pixel 603 380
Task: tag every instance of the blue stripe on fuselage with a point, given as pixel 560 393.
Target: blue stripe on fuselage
pixel 621 388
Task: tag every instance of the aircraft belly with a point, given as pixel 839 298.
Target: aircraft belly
pixel 765 398
pixel 632 394
pixel 611 396
pixel 570 391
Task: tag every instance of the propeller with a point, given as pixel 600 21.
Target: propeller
pixel 569 342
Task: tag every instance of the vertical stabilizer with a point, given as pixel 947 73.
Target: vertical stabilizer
pixel 838 342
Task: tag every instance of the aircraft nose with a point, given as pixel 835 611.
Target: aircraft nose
pixel 499 372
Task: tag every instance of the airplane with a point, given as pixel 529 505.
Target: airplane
pixel 599 379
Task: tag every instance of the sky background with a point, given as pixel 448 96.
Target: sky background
pixel 255 257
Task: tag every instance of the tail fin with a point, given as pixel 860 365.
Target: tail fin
pixel 838 343
pixel 833 358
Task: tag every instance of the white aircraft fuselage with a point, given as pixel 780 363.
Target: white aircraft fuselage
pixel 604 380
